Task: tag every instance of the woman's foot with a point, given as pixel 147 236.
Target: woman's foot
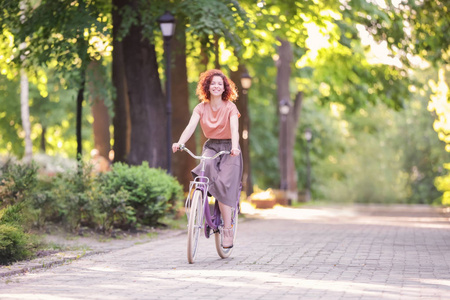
pixel 227 238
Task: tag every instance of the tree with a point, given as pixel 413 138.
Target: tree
pixel 407 27
pixel 147 103
pixel 25 109
pixel 289 120
pixel 61 31
pixel 244 129
pixel 121 121
pixel 208 24
pixel 329 62
pixel 274 19
pixel 180 98
pixel 100 113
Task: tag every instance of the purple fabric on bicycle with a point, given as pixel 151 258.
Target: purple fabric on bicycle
pixel 224 172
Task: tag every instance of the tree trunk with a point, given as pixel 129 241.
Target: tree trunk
pixel 25 113
pixel 24 95
pixel 289 121
pixel 293 122
pixel 99 110
pixel 80 98
pixel 204 57
pixel 182 163
pixel 121 120
pixel 216 52
pixel 147 103
pixel 244 130
pixel 43 139
pixel 204 61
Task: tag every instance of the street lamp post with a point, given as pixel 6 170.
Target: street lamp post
pixel 167 24
pixel 284 111
pixel 308 137
pixel 246 83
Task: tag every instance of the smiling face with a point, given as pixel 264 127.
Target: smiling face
pixel 216 88
pixel 213 84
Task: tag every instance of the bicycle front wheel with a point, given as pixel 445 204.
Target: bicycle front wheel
pixel 226 252
pixel 194 225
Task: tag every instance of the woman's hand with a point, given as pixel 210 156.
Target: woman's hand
pixel 235 152
pixel 175 147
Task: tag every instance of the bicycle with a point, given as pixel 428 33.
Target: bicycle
pixel 199 215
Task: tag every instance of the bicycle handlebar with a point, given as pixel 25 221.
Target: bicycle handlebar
pixel 183 148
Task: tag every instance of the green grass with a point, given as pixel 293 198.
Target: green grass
pixel 152 235
pixel 174 223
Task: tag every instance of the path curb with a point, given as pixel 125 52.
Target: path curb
pixel 45 262
pixel 68 256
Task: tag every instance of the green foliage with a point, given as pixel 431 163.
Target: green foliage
pixel 73 197
pixel 263 110
pixel 367 170
pixel 144 15
pixel 220 18
pixel 150 192
pixel 343 76
pixel 58 30
pixel 12 214
pixel 123 198
pixel 10 115
pixel 443 185
pixel 354 156
pixel 15 244
pixel 408 27
pixel 377 155
pixel 264 145
pixel 41 206
pixel 113 209
pixel 53 112
pixel 17 182
pixel 421 153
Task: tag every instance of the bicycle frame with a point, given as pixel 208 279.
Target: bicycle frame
pixel 201 183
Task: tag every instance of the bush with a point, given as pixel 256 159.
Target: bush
pixel 15 244
pixel 127 196
pixel 113 210
pixel 73 197
pixel 150 192
pixel 16 183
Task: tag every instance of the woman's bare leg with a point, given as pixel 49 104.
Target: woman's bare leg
pixel 227 237
pixel 225 211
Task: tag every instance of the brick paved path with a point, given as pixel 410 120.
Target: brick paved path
pixel 311 253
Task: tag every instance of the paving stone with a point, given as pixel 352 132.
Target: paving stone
pixel 358 252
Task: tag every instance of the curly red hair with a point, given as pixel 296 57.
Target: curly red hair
pixel 229 93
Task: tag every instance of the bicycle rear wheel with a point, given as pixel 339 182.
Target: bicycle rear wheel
pixel 194 225
pixel 226 252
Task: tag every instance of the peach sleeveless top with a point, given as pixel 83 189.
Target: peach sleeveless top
pixel 216 124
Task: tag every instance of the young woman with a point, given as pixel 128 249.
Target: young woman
pixel 218 117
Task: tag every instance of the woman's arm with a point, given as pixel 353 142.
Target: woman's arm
pixel 188 131
pixel 234 125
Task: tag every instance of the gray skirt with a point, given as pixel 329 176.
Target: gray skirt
pixel 224 172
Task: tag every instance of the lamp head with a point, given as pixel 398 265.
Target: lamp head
pixel 285 107
pixel 167 24
pixel 308 134
pixel 246 81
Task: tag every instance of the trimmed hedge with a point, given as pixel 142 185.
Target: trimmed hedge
pixel 138 194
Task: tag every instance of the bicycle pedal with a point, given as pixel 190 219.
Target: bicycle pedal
pixel 207 231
